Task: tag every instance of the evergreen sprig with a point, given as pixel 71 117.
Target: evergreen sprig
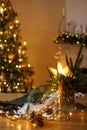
pixel 77 80
pixel 74 68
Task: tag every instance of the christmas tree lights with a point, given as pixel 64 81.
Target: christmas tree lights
pixel 15 71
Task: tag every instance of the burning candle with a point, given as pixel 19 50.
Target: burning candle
pixel 14 35
pixel 2 11
pixel 19 51
pixel 63 11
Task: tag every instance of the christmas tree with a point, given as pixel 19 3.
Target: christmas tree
pixel 15 71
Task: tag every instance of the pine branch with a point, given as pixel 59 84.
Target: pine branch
pixel 79 62
pixel 71 64
pixel 74 67
pixel 79 58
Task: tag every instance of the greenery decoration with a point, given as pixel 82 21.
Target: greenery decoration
pixel 66 37
pixel 36 118
pixel 76 80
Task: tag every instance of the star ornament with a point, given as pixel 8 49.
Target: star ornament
pixel 64 71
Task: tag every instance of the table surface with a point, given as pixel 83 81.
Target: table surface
pixel 78 121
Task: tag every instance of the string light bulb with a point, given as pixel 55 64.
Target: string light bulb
pixel 20 60
pixel 19 51
pixel 1 46
pixel 16 21
pixel 5 40
pixel 29 65
pixel 1 32
pixel 3 5
pixel 10 61
pixel 11 27
pixel 1 10
pixel 24 43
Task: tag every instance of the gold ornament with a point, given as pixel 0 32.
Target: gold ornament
pixel 11 56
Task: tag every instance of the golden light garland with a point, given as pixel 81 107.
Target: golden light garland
pixel 71 38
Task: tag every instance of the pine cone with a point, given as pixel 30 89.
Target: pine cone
pixel 39 120
pixel 32 116
pixel 49 111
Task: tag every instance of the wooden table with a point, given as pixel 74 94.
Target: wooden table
pixel 78 121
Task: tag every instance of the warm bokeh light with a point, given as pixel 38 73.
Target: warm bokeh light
pixel 60 69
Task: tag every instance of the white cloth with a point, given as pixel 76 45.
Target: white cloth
pixel 23 109
pixel 28 107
